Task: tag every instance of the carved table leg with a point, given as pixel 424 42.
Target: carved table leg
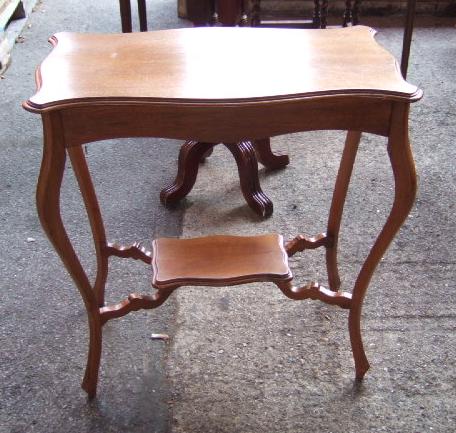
pixel 190 155
pixel 193 152
pixel 405 189
pixel 244 154
pixel 265 156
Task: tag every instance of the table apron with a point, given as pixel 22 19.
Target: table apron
pixel 228 124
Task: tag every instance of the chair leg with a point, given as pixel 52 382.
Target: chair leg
pixel 316 19
pixel 125 15
pixel 355 12
pixel 324 14
pixel 90 381
pixel 347 13
pixel 142 12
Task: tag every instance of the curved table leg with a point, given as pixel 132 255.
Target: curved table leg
pixel 265 156
pixel 194 152
pixel 244 154
pixel 190 155
pixel 337 206
pixel 401 159
pixel 48 206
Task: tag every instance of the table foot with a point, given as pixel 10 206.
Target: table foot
pixel 266 157
pixel 354 328
pixel 190 156
pixel 90 381
pixel 244 154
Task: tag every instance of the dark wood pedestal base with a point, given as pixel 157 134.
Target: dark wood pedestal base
pixel 246 154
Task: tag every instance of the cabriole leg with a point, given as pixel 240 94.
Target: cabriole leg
pixel 89 196
pixel 401 159
pixel 48 206
pixel 337 206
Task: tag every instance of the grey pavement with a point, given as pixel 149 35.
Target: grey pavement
pixel 240 359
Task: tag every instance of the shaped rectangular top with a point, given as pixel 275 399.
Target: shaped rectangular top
pixel 214 65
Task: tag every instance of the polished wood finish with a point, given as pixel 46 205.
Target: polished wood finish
pixel 177 67
pixel 219 261
pixel 193 152
pixel 344 81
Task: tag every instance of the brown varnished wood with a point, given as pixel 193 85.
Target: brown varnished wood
pixel 404 194
pixel 125 15
pixel 407 38
pixel 315 291
pixel 178 65
pixel 134 302
pixel 115 112
pixel 48 206
pixel 244 155
pixel 303 242
pixel 219 261
pixel 89 196
pixel 267 157
pixel 225 123
pixel 134 251
pixel 337 206
pixel 142 13
pixel 190 155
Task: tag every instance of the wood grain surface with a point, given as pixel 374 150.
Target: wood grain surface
pixel 196 65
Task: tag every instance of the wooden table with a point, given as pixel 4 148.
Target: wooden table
pixel 249 152
pixel 164 84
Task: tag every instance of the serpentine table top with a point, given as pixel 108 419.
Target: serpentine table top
pixel 196 66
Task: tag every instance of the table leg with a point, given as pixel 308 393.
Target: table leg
pixel 48 206
pixel 401 159
pixel 193 152
pixel 244 154
pixel 265 156
pixel 190 155
pixel 337 206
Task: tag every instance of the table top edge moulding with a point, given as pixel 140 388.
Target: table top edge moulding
pixel 183 66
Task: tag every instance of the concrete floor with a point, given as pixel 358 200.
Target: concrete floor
pixel 241 359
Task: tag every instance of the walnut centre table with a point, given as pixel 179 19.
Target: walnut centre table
pixel 168 84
